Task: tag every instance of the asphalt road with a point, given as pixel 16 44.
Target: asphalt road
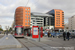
pixel 60 43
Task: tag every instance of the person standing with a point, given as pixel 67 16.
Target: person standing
pixel 68 34
pixel 64 36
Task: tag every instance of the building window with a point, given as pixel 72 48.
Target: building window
pixel 57 25
pixel 26 11
pixel 28 23
pixel 57 12
pixel 26 15
pixel 28 20
pixel 57 16
pixel 62 16
pixel 21 17
pixel 62 25
pixel 25 23
pixel 62 12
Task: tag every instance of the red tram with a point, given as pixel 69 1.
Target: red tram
pixel 19 31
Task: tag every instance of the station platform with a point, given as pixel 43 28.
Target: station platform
pixel 9 41
pixel 46 47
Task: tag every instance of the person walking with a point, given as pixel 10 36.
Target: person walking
pixel 68 34
pixel 64 36
pixel 48 33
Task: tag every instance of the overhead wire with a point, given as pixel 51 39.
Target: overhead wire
pixel 27 3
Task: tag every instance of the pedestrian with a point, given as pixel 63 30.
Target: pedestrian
pixel 68 34
pixel 64 36
pixel 48 33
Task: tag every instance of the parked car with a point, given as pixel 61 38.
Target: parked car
pixel 53 34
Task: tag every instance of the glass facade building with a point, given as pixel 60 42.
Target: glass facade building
pixel 58 18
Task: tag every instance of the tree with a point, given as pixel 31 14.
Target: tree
pixel 10 29
pixel 1 29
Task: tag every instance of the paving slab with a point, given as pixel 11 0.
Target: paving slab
pixel 9 41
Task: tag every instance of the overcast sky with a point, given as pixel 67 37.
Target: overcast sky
pixel 7 8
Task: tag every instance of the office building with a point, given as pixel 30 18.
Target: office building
pixel 40 19
pixel 58 18
pixel 37 21
pixel 66 27
pixel 22 16
pixel 71 23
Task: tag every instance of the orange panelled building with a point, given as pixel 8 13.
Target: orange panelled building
pixel 22 16
pixel 58 18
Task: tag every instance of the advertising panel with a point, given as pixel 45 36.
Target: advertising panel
pixel 35 32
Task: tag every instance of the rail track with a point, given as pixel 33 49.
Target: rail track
pixel 23 42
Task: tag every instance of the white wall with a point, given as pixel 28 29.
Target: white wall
pixel 71 23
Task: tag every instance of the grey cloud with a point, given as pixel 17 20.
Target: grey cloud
pixel 6 22
pixel 42 6
pixel 68 6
